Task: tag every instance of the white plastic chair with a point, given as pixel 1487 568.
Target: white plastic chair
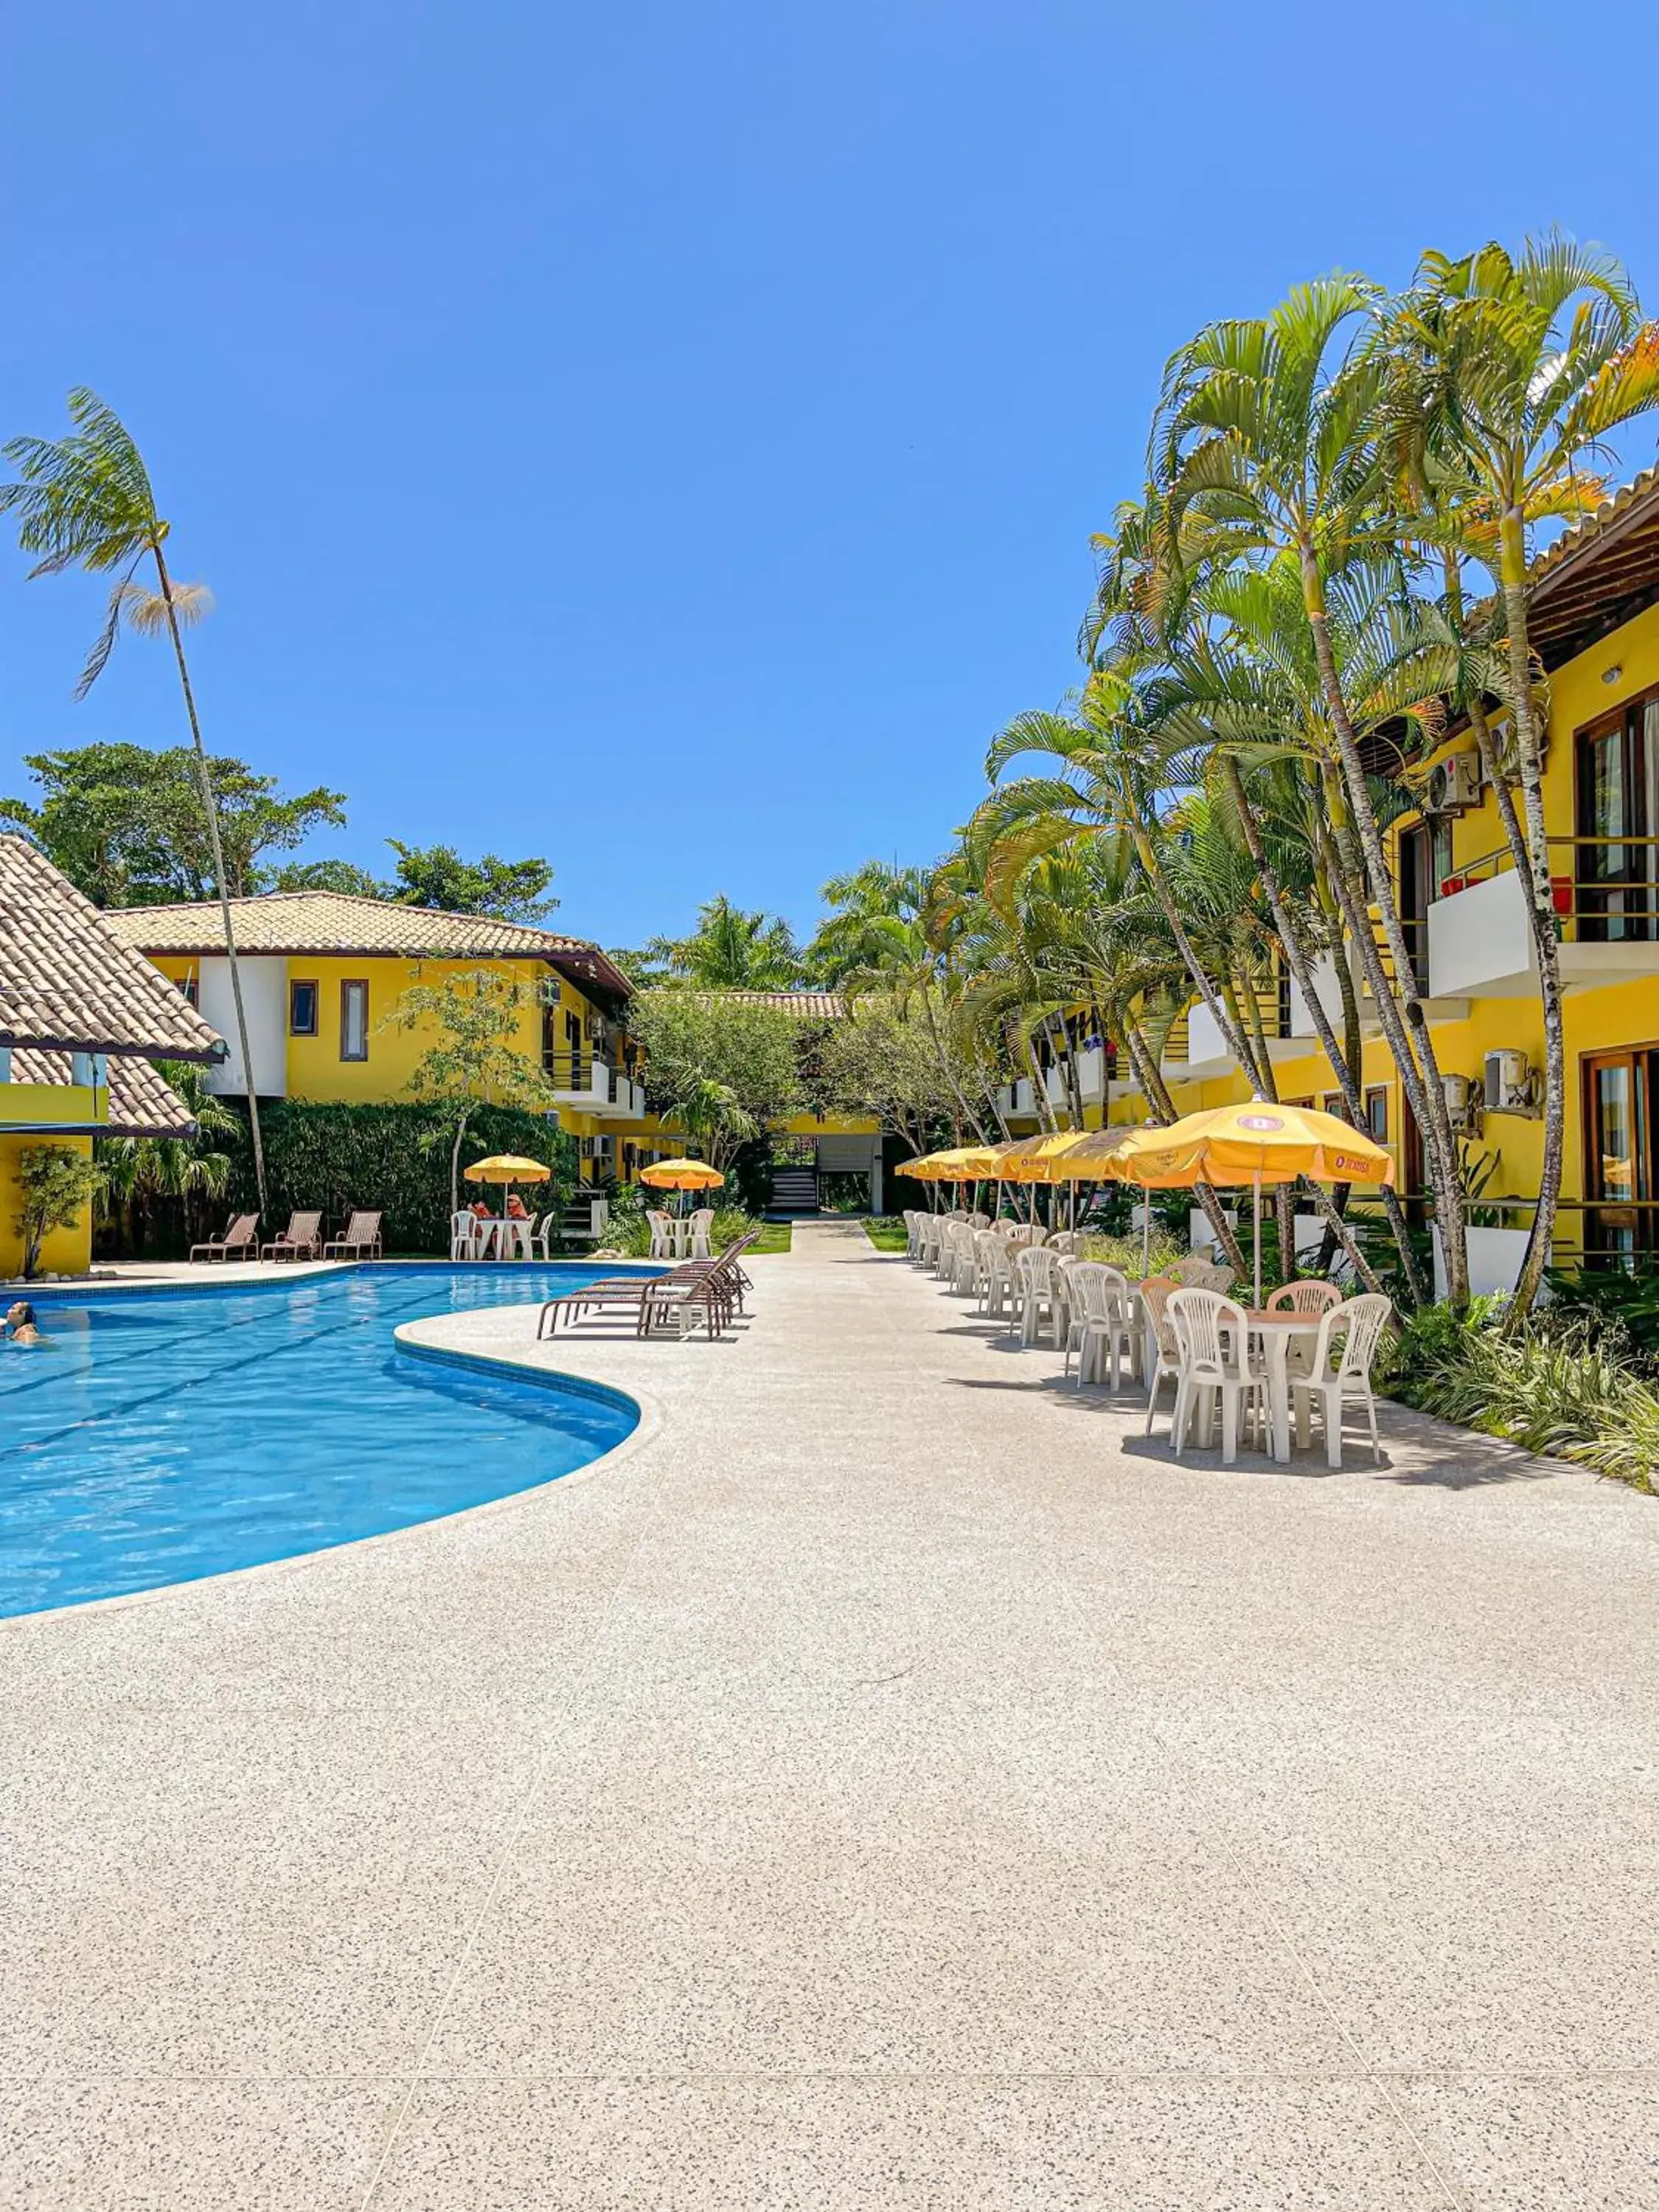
pixel 1101 1321
pixel 1310 1296
pixel 932 1228
pixel 1068 1242
pixel 1020 1234
pixel 1043 1297
pixel 1360 1322
pixel 1214 1337
pixel 463 1236
pixel 1155 1296
pixel 701 1228
pixel 913 1221
pixel 662 1233
pixel 1196 1273
pixel 999 1285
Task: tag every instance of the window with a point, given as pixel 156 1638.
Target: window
pixel 1617 777
pixel 1334 1102
pixel 1619 1097
pixel 1377 1114
pixel 190 989
pixel 354 1021
pixel 302 1010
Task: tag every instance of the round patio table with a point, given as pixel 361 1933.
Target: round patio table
pixel 1274 1333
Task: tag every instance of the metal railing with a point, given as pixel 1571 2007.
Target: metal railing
pixel 569 1071
pixel 1609 894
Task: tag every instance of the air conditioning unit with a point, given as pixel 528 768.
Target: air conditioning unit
pixel 1512 1085
pixel 1503 737
pixel 1453 784
pixel 1463 1105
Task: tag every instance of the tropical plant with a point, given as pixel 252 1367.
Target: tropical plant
pixel 54 1185
pixel 715 1120
pixel 730 950
pixel 141 1173
pixel 85 501
pixel 751 1054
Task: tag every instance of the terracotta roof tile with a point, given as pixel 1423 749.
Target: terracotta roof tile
pixel 142 1102
pixel 811 1006
pixel 334 921
pixel 68 980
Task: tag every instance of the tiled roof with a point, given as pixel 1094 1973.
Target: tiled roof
pixel 811 1006
pixel 1583 535
pixel 69 980
pixel 142 1102
pixel 334 921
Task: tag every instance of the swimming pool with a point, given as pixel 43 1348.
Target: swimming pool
pixel 159 1436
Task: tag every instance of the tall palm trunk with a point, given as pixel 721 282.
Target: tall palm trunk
pixel 1346 1065
pixel 1423 1071
pixel 1542 905
pixel 210 806
pixel 1157 1094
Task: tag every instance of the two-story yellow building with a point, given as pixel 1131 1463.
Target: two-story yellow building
pixel 1594 626
pixel 323 974
pixel 81 1018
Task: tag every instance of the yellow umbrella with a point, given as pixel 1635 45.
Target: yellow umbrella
pixel 505 1167
pixel 682 1174
pixel 1260 1141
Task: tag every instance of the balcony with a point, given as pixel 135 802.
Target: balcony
pixel 1606 908
pixel 1016 1100
pixel 578 1081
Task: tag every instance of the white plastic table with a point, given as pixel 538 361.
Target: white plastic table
pixel 1274 1333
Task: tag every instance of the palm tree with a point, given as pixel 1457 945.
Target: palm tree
pixel 1270 432
pixel 731 951
pixel 137 1170
pixel 86 501
pixel 717 1119
pixel 1506 375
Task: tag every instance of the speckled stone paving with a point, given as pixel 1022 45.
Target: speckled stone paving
pixel 889 1782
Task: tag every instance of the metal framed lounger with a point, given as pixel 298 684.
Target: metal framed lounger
pixel 240 1240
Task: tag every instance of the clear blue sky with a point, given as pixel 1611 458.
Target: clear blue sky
pixel 722 393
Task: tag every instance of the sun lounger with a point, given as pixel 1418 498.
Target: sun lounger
pixel 302 1240
pixel 360 1241
pixel 713 1287
pixel 239 1241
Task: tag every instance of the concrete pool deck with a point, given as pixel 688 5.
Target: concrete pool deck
pixel 889 1781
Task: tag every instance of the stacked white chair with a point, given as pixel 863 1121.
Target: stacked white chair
pixel 1102 1321
pixel 999 1285
pixel 702 1224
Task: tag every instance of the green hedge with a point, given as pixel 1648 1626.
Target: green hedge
pixel 394 1158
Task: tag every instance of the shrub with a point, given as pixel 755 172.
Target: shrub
pixel 54 1185
pixel 1124 1253
pixel 393 1158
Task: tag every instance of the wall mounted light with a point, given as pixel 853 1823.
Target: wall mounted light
pixel 1612 675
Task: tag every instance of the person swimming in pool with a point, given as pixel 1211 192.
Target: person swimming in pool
pixel 20 1325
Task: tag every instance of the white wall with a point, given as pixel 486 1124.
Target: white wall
pixel 1478 938
pixel 1204 1038
pixel 265 1001
pixel 1495 1257
pixel 1328 993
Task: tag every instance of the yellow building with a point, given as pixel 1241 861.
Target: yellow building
pixel 81 1016
pixel 323 974
pixel 1595 625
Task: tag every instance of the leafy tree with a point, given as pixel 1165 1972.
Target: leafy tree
pixel 85 501
pixel 437 876
pixel 751 1054
pixel 885 1059
pixel 716 1120
pixel 731 950
pixel 476 1058
pixel 325 875
pixel 53 1186
pixel 125 823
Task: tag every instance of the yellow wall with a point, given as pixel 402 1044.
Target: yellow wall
pixel 66 1251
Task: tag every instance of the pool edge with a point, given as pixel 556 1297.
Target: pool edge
pixel 646 1428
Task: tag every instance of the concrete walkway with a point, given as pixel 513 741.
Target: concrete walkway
pixel 890 1783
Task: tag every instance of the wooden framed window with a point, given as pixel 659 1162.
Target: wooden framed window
pixel 1616 791
pixel 1619 1098
pixel 1377 1114
pixel 354 1021
pixel 1334 1102
pixel 302 1009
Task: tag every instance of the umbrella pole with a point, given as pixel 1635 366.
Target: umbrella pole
pixel 1145 1230
pixel 1258 1243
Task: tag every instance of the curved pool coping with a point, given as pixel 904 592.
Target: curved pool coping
pixel 646 1428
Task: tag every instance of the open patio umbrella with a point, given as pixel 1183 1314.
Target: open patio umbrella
pixel 682 1174
pixel 1260 1141
pixel 505 1167
pixel 1067 1156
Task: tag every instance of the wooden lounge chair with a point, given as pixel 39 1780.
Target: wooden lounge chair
pixel 239 1241
pixel 302 1240
pixel 361 1240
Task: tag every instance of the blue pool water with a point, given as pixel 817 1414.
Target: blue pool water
pixel 162 1435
